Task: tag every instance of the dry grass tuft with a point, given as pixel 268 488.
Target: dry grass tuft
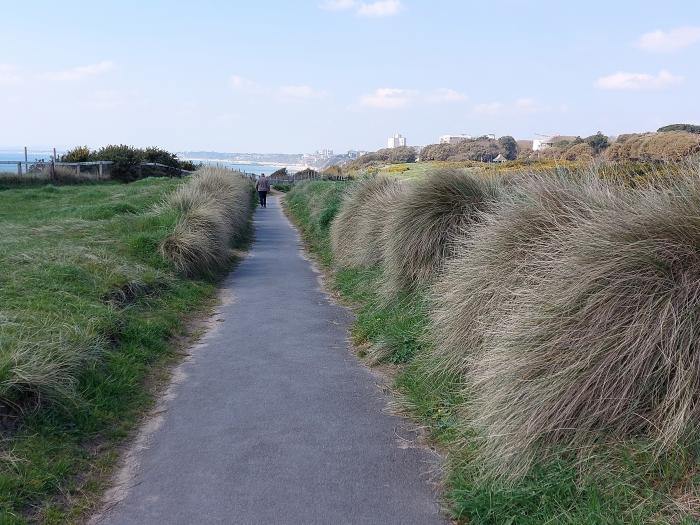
pixel 214 209
pixel 45 368
pixel 500 255
pixel 421 225
pixel 602 344
pixel 356 233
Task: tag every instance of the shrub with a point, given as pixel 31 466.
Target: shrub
pixel 580 151
pixel 481 149
pixel 669 146
pixel 425 218
pixel 188 165
pixel 356 231
pixel 161 156
pixel 597 142
pixel 690 128
pixel 214 208
pixel 398 155
pixel 77 154
pixel 126 159
pixel 332 171
pixel 602 344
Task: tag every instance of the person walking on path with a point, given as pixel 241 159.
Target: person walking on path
pixel 263 186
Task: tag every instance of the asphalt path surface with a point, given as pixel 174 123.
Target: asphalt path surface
pixel 272 419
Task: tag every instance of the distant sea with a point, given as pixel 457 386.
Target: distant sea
pixel 248 167
pixel 19 155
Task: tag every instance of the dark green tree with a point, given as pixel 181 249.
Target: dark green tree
pixel 510 147
pixel 598 142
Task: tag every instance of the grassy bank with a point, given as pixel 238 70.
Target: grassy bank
pixel 627 479
pixel 89 306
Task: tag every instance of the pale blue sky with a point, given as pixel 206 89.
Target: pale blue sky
pixel 273 76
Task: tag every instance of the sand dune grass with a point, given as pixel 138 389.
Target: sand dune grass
pixel 600 344
pixel 420 227
pixel 502 254
pixel 356 233
pixel 214 208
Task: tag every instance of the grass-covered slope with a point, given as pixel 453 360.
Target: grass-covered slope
pixel 88 305
pixel 623 480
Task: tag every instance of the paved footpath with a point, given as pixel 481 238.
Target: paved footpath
pixel 273 420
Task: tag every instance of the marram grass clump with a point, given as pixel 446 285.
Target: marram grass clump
pixel 214 209
pixel 356 233
pixel 602 344
pixel 496 258
pixel 420 228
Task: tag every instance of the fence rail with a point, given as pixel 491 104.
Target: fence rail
pixel 44 168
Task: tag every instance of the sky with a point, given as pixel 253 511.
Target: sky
pixel 297 76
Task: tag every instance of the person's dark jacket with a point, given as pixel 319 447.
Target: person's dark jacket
pixel 263 184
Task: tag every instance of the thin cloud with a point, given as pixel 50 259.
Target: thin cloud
pixel 301 92
pixel 287 93
pixel 79 72
pixel 377 9
pixel 489 108
pixel 240 83
pixel 666 41
pixel 113 99
pixel 446 95
pixel 625 81
pixel 519 107
pixel 381 8
pixel 9 75
pixel 527 105
pixel 338 5
pixel 387 98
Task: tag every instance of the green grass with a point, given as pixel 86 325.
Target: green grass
pixel 315 204
pixel 83 287
pixel 623 484
pixel 281 186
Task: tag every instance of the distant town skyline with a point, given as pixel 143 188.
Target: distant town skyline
pixel 273 76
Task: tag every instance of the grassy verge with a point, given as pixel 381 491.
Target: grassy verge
pixel 88 310
pixel 621 484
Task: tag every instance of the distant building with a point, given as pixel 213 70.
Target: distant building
pixel 354 154
pixel 397 141
pixel 500 158
pixel 453 139
pixel 542 143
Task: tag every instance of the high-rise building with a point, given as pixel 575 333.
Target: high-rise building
pixel 397 141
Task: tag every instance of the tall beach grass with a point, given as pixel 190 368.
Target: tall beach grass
pixel 214 207
pixel 419 229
